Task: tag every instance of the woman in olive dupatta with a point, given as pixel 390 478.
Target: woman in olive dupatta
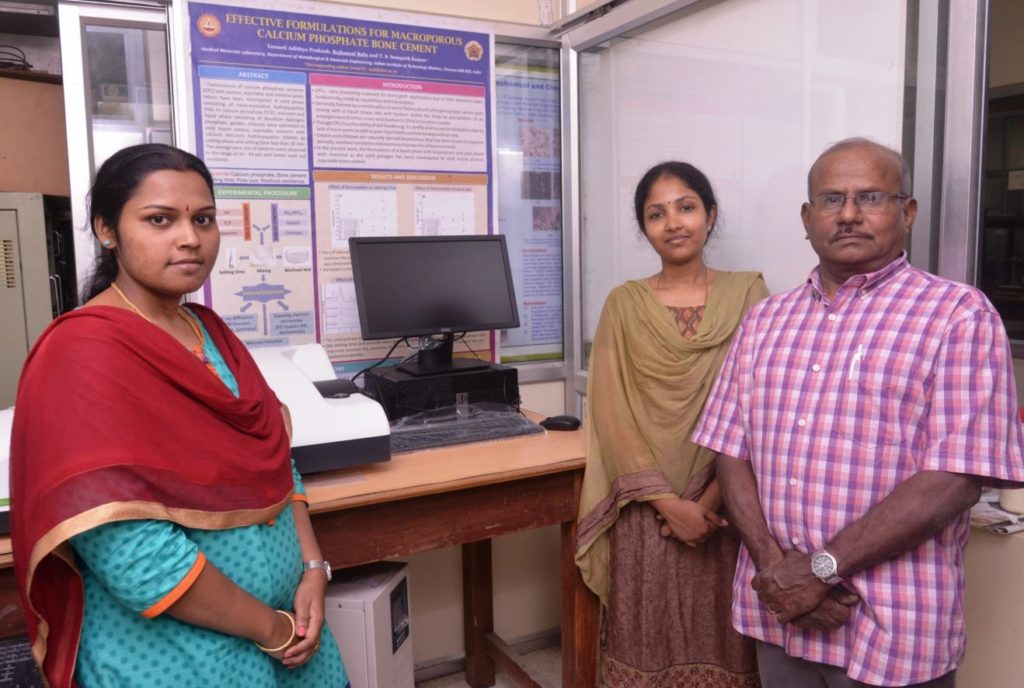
pixel 651 544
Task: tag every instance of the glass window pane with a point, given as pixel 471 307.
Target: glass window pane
pixel 127 87
pixel 1001 259
pixel 108 74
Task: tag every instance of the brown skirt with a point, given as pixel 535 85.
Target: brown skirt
pixel 668 620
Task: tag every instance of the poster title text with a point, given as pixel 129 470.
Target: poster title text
pixel 348 35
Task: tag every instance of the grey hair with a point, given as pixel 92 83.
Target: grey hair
pixel 906 184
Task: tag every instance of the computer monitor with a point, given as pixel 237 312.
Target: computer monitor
pixel 432 288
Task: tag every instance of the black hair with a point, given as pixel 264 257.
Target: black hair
pixel 115 183
pixel 684 172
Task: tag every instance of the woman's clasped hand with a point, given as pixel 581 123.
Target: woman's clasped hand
pixel 688 521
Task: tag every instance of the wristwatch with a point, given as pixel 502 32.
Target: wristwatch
pixel 825 567
pixel 318 564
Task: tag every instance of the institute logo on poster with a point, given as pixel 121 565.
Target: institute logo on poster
pixel 474 51
pixel 208 25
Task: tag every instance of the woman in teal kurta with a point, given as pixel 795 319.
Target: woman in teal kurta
pixel 160 532
pixel 129 566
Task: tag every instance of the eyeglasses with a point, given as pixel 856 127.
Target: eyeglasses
pixel 866 201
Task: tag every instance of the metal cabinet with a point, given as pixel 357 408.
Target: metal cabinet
pixel 37 276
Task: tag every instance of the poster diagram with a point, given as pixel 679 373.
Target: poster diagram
pixel 265 259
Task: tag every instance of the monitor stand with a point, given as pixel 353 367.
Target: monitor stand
pixel 438 360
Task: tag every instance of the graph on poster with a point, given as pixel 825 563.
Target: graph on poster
pixel 341 313
pixel 445 211
pixel 362 211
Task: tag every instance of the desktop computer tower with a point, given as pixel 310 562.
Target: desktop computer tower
pixel 367 610
pixel 402 394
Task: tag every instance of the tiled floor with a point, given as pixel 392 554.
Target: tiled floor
pixel 546 663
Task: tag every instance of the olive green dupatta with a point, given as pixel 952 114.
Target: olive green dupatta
pixel 647 386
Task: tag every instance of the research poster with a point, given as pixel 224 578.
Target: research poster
pixel 319 128
pixel 530 203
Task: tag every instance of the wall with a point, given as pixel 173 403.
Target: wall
pixel 1006 59
pixel 33 146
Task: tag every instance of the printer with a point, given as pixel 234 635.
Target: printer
pixel 333 424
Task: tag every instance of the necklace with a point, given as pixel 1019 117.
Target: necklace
pixel 657 284
pixel 196 350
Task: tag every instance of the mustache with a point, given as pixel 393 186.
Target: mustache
pixel 846 233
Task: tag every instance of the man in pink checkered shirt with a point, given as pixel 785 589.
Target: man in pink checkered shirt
pixel 858 417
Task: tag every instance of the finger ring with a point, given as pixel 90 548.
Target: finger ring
pixel 317 646
pixel 773 612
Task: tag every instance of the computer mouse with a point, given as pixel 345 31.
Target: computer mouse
pixel 561 423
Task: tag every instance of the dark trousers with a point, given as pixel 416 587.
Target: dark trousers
pixel 779 670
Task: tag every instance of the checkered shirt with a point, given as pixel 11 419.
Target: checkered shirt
pixel 835 403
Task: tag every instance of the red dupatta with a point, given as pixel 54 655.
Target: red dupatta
pixel 116 420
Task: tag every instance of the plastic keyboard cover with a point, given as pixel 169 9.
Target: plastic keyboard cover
pixel 450 425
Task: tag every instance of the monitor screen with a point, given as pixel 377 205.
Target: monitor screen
pixel 419 286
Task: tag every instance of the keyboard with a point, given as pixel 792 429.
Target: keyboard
pixel 17 668
pixel 447 428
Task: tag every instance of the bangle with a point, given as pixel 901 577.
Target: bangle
pixel 272 650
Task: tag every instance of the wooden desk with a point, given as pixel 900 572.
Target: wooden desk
pixel 462 495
